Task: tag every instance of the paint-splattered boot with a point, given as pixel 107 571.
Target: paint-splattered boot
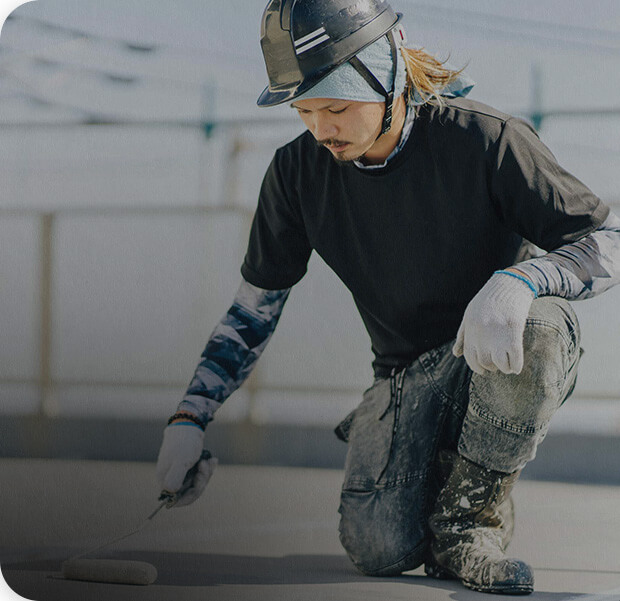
pixel 506 509
pixel 470 532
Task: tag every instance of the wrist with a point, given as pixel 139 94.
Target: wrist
pixel 186 418
pixel 183 422
pixel 519 275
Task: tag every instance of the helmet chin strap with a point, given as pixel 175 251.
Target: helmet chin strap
pixel 375 84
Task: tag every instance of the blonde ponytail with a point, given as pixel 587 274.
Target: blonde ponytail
pixel 426 75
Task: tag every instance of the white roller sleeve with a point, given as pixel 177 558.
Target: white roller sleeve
pixel 110 570
pixel 491 333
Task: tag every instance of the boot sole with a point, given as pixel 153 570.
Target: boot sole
pixel 518 589
pixel 441 573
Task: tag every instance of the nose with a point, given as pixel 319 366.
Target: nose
pixel 324 127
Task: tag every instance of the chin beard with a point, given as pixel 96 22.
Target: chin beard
pixel 350 161
pixel 359 159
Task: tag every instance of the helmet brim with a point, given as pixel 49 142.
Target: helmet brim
pixel 269 98
pixel 275 97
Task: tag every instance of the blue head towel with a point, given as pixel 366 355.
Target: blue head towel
pixel 345 83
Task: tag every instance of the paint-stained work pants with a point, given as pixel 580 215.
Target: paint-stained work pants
pixel 392 477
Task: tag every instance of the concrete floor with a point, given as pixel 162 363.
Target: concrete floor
pixel 267 533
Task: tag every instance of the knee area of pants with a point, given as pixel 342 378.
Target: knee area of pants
pixel 384 531
pixel 385 566
pixel 552 318
pixel 384 551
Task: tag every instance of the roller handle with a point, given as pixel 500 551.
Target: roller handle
pixel 172 497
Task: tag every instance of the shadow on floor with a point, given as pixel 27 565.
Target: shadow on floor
pixel 212 570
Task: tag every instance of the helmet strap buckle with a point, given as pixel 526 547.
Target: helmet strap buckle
pixel 387 117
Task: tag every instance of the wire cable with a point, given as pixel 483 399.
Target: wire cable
pixel 129 45
pixel 519 27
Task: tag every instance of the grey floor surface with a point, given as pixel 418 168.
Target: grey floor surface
pixel 268 533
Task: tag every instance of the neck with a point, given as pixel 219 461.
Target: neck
pixel 385 144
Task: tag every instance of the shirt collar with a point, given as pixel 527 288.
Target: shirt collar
pixel 404 136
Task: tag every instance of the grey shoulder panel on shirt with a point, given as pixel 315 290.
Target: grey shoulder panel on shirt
pixel 582 269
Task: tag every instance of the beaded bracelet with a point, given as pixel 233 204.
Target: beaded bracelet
pixel 189 416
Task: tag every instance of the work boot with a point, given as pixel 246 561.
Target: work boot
pixel 506 509
pixel 471 526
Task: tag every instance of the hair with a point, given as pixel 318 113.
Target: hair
pixel 426 75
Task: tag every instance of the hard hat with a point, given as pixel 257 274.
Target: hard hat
pixel 304 40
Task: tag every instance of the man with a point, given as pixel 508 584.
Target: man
pixel 421 202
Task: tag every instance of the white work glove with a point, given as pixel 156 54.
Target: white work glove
pixel 179 452
pixel 491 333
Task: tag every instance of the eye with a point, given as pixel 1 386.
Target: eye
pixel 338 111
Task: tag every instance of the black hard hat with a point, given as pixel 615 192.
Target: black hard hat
pixel 304 40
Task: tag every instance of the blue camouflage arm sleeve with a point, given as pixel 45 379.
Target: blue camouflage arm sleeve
pixel 233 348
pixel 579 270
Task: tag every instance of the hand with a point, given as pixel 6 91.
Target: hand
pixel 180 451
pixel 491 333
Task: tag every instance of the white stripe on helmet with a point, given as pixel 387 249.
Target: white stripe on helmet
pixel 312 44
pixel 310 36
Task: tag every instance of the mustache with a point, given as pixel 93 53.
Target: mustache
pixel 331 142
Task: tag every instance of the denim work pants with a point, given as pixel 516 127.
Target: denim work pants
pixel 392 474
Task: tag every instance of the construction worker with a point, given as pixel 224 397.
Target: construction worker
pixel 423 203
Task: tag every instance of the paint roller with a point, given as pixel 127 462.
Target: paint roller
pixel 115 571
pixel 119 571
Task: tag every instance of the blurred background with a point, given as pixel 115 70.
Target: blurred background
pixel 131 154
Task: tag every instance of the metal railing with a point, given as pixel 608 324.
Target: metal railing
pixel 47 220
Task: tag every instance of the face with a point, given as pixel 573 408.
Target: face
pixel 348 129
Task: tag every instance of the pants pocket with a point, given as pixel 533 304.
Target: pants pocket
pixel 368 430
pixel 343 429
